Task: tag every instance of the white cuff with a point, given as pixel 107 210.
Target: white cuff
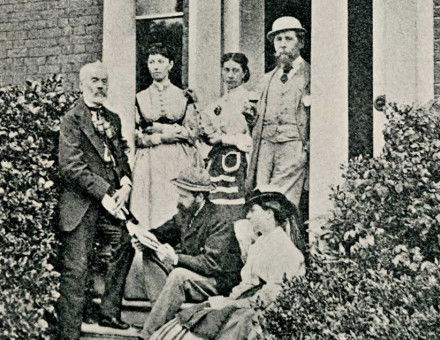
pixel 307 100
pixel 125 181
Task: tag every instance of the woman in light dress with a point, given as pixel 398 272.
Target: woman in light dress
pixel 166 135
pixel 272 256
pixel 226 129
pixel 165 143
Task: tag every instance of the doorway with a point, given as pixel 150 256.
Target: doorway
pixel 300 9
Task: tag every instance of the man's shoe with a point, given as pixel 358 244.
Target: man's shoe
pixel 142 335
pixel 89 319
pixel 112 322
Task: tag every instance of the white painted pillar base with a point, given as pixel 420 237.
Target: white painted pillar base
pixel 119 55
pixel 329 110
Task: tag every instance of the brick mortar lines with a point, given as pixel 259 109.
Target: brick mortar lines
pixel 57 43
pixel 436 46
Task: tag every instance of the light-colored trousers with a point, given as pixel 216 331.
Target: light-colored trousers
pixel 174 289
pixel 282 165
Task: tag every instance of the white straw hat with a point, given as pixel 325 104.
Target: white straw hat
pixel 285 24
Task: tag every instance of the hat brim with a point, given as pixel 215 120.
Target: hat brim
pixel 191 186
pixel 288 208
pixel 270 35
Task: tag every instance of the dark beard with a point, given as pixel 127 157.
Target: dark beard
pixel 285 58
pixel 188 211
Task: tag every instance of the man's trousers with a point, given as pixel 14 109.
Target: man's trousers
pixel 282 165
pixel 77 254
pixel 179 286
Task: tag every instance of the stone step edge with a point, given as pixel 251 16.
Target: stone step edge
pixel 96 331
pixel 133 305
pixel 140 305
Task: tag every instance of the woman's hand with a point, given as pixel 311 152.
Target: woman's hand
pixel 139 139
pixel 241 141
pixel 250 113
pixel 219 302
pixel 244 145
pixel 172 137
pixel 215 139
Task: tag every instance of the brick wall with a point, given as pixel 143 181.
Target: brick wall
pixel 437 48
pixel 41 37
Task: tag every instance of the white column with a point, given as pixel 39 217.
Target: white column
pixel 119 55
pixel 403 55
pixel 204 49
pixel 243 31
pixel 425 51
pixel 379 74
pixel 231 25
pixel 329 110
pixel 252 37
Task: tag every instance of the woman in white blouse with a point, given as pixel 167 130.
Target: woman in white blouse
pixel 226 129
pixel 272 256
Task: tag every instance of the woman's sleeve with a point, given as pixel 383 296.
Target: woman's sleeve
pixel 290 264
pixel 246 276
pixel 142 139
pixel 208 127
pixel 191 123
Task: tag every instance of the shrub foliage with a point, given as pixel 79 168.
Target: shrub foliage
pixel 29 125
pixel 379 276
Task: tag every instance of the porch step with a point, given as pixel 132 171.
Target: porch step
pixel 134 312
pixel 94 331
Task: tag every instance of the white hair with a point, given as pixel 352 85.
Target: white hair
pixel 88 68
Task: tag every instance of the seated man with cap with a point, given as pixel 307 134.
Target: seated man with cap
pixel 272 256
pixel 197 254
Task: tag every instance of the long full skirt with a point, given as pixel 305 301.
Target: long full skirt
pixel 154 197
pixel 241 325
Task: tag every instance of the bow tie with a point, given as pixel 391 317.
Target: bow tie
pixel 100 123
pixel 96 110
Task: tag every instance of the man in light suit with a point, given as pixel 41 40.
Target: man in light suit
pixel 96 185
pixel 280 135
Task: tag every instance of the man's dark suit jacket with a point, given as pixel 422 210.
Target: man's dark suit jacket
pixel 86 176
pixel 206 244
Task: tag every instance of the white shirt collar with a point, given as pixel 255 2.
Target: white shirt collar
pixel 235 90
pixel 295 65
pixel 298 61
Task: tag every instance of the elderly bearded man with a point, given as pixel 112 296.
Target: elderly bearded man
pixel 199 256
pixel 96 185
pixel 280 136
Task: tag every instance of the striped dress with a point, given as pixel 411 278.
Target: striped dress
pixel 227 165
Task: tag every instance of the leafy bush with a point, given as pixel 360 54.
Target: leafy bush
pixel 379 276
pixel 29 125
